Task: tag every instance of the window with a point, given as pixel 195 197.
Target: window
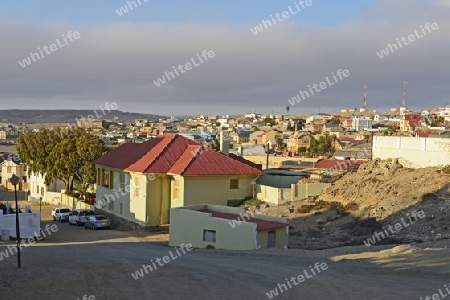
pixel 176 189
pixel 234 184
pixel 209 236
pixel 42 191
pixel 8 169
pixel 122 181
pixel 137 187
pixel 111 180
pixel 111 205
pixel 121 208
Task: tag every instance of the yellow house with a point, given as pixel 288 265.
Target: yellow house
pixel 8 168
pixel 140 183
pixel 222 227
pixel 298 140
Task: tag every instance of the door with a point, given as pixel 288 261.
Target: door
pixel 271 239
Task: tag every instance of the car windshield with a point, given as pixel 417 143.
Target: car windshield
pixel 66 210
pixel 100 218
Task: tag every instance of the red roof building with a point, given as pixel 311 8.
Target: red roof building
pixel 169 171
pixel 339 165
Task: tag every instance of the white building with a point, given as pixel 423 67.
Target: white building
pixel 50 193
pixel 361 123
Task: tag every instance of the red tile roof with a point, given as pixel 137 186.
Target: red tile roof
pixel 260 224
pixel 340 165
pixel 174 154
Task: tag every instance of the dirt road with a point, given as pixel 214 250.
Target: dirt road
pixel 73 262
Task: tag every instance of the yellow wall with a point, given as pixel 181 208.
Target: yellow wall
pixel 214 189
pixel 281 238
pixel 187 226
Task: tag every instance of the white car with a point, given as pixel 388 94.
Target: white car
pixel 79 216
pixel 60 214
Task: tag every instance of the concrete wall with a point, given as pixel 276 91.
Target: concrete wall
pixel 187 225
pixel 281 238
pixel 273 195
pixel 302 191
pixel 413 152
pixel 280 196
pixel 29 224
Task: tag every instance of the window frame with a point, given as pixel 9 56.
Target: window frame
pixel 234 184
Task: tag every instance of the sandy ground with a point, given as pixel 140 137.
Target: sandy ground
pixel 73 262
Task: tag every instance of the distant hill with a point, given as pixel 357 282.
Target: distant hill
pixel 34 116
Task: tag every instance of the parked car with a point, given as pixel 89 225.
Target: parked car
pixel 60 214
pixel 96 222
pixel 79 216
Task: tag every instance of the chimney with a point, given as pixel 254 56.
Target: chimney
pixel 240 151
pixel 224 142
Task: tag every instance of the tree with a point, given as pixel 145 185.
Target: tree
pixel 287 109
pixel 280 143
pixel 324 145
pixel 65 158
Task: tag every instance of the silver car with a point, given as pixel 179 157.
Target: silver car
pixel 97 222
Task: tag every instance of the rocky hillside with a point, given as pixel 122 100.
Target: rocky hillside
pixel 360 204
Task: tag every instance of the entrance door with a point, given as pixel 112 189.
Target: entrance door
pixel 271 239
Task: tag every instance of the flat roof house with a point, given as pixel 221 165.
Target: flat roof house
pixel 223 227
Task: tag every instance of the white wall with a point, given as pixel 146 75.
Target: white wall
pixel 413 152
pixel 29 223
pixel 39 189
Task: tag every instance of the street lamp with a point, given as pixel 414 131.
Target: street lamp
pixel 14 181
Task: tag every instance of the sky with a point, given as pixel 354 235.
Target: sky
pixel 116 54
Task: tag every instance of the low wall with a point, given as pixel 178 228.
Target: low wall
pixel 297 192
pixel 413 152
pixel 29 224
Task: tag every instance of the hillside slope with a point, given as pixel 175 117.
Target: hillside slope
pixel 358 205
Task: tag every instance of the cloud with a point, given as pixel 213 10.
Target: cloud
pixel 119 61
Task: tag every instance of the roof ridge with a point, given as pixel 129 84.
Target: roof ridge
pixel 158 156
pixel 194 156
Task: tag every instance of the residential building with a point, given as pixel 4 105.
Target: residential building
pixel 264 137
pixel 221 227
pixel 313 127
pixel 50 193
pixel 298 140
pixel 410 122
pixel 166 172
pixel 90 123
pixel 361 123
pixel 10 167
